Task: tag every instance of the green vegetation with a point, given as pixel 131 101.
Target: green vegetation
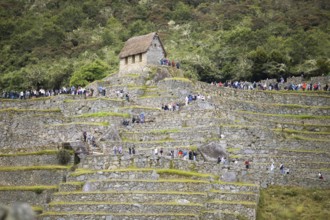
pixel 124 203
pixel 118 214
pixel 277 203
pixel 291 131
pixel 27 188
pixel 43 152
pixel 59 43
pixel 84 123
pixel 104 114
pixel 140 107
pixel 27 168
pixel 178 79
pixel 29 110
pixel 92 99
pixel 184 173
pixel 287 115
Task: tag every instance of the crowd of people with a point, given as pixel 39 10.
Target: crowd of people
pixel 168 62
pixel 279 85
pixel 27 94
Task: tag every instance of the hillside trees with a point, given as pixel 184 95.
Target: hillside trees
pixel 213 40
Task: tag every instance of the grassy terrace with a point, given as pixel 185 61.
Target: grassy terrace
pixel 298 93
pixel 125 203
pixel 29 110
pixel 245 203
pixel 43 152
pixel 280 105
pixel 118 214
pixel 37 188
pixel 291 131
pixel 295 123
pixel 132 192
pixel 141 107
pixel 92 99
pixel 83 123
pixel 278 203
pixel 103 114
pixel 29 168
pixel 178 79
pixel 286 115
pixel 26 100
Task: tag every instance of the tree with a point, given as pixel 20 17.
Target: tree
pixel 88 73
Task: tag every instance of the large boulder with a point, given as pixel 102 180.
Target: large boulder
pixel 213 150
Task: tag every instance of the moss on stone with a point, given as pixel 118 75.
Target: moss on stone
pixel 118 214
pixel 291 131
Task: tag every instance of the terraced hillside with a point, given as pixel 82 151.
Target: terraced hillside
pixel 290 128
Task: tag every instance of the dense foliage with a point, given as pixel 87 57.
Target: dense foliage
pixel 54 43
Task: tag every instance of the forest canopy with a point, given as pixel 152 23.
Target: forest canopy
pixel 54 43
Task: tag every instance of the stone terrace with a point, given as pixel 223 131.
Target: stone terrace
pixel 263 127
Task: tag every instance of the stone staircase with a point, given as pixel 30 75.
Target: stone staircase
pixel 151 193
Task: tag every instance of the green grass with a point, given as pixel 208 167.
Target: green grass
pixel 247 203
pixel 303 93
pixel 27 188
pixel 295 203
pixel 140 107
pixel 43 152
pixel 286 115
pixel 29 168
pixel 29 110
pixel 291 131
pixel 124 203
pixel 103 114
pixel 155 181
pixel 236 183
pixel 84 123
pixel 302 138
pixel 184 173
pixel 132 192
pixel 27 100
pixel 178 79
pixel 92 99
pixel 159 171
pixel 119 214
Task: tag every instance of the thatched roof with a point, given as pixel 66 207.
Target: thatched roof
pixel 138 44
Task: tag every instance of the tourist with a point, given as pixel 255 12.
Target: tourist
pixel 85 135
pixel 282 168
pixel 247 164
pixel 133 150
pixel 320 176
pixel 115 149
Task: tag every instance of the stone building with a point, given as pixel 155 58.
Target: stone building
pixel 140 51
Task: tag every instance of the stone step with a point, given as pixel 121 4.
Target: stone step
pixel 117 207
pixel 117 216
pixel 244 208
pixel 32 175
pixel 130 196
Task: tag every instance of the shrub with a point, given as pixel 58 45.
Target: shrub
pixel 63 156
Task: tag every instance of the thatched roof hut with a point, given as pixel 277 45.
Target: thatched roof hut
pixel 140 51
